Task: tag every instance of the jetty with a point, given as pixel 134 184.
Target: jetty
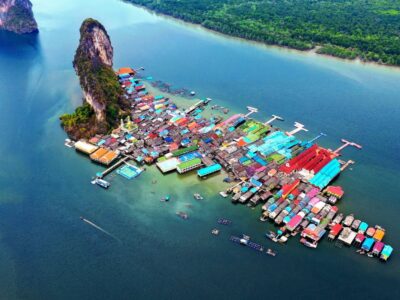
pixel 104 173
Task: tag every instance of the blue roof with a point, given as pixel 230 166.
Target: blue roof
pixel 209 170
pixel 367 244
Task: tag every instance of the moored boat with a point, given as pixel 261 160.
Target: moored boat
pixel 356 224
pixel 338 219
pixel 348 220
pixel 378 247
pixel 386 252
pixel 197 196
pixel 370 231
pixel 102 183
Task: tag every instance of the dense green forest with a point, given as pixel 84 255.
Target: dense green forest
pixel 368 29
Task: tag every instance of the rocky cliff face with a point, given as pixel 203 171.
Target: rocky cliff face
pixel 102 93
pixel 94 53
pixel 17 16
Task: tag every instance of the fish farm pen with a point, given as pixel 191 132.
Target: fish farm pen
pixel 292 180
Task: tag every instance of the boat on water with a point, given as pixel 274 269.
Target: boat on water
pixel 101 182
pixel 182 215
pixel 348 220
pixel 386 252
pixel 165 199
pixel 308 243
pixel 356 224
pixel 69 143
pixel 223 194
pixel 223 221
pixel 272 236
pixel 244 240
pixel 215 231
pixel 192 93
pixel 370 231
pixel 338 219
pixel 197 196
pixel 270 252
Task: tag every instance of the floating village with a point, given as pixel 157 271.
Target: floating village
pixel 291 179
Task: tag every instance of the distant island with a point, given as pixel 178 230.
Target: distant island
pixel 368 30
pixel 103 102
pixel 17 16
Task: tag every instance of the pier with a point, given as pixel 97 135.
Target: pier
pixel 103 174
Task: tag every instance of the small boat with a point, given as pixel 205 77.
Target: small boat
pixel 356 224
pixel 197 196
pixel 348 220
pixel 101 182
pixel 192 93
pixel 338 219
pixel 223 221
pixel 182 215
pixel 308 243
pixel 283 239
pixel 370 231
pixel 215 231
pixel 270 252
pixel 244 240
pixel 272 236
pixel 165 199
pixel 69 143
pixel 223 194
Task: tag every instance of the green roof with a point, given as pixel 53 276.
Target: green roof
pixel 182 151
pixel 189 163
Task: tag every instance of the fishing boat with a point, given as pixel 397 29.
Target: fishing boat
pixel 338 219
pixel 68 143
pixel 223 194
pixel 165 199
pixel 182 215
pixel 348 220
pixel 370 231
pixel 244 240
pixel 356 224
pixel 386 252
pixel 215 231
pixel 272 236
pixel 197 196
pixel 308 243
pixel 270 252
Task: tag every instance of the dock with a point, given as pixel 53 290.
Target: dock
pixel 103 174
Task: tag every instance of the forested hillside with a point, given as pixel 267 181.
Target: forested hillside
pixel 368 29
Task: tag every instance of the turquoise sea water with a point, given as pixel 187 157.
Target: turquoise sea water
pixel 46 252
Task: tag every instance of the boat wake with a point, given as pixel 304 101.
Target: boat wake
pixel 101 229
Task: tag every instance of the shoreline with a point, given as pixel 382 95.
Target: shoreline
pixel 309 53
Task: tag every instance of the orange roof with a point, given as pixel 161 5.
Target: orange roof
pixel 379 234
pixel 241 143
pixel 126 70
pixel 99 153
pixel 108 157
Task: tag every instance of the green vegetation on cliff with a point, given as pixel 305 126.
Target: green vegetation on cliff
pixel 18 17
pixel 368 29
pixel 104 102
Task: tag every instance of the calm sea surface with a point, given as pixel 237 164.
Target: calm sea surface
pixel 46 252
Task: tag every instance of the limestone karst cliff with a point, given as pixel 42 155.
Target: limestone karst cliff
pixel 17 16
pixel 103 102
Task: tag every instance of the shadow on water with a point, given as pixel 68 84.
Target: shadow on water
pixel 24 45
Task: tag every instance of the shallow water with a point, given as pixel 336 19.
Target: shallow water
pixel 47 252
